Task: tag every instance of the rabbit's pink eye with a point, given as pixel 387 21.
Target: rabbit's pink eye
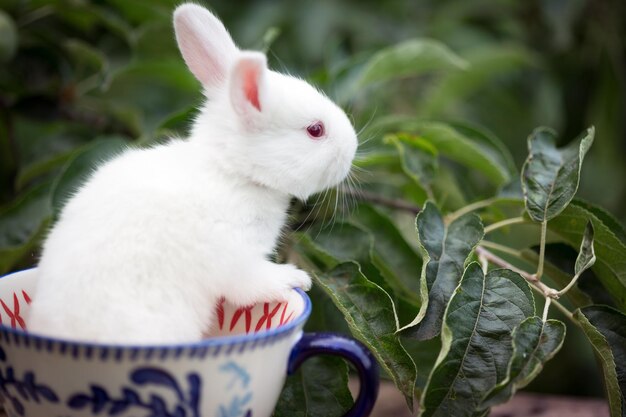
pixel 316 130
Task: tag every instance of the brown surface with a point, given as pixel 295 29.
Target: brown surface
pixel 391 403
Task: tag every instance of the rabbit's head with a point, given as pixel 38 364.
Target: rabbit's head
pixel 274 129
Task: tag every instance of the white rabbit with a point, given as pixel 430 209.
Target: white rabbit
pixel 148 245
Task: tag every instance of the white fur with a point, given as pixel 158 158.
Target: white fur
pixel 148 245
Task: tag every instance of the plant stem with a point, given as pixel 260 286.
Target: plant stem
pixel 558 305
pixel 469 208
pixel 384 201
pixel 504 223
pixel 501 248
pixel 542 249
pixel 496 260
pixel 484 263
pixel 569 286
pixel 484 254
pixel 546 308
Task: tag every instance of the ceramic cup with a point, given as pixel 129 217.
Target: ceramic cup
pixel 237 372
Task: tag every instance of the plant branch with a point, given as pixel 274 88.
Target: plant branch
pixel 558 305
pixel 546 308
pixel 538 286
pixel 569 286
pixel 501 248
pixel 484 263
pixel 469 208
pixel 504 223
pixel 496 260
pixel 384 201
pixel 564 310
pixel 482 253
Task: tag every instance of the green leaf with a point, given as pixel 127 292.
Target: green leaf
pixel 480 155
pixel 344 243
pixel 605 328
pixel 550 176
pixel 445 252
pixel 418 158
pixel 40 140
pixel 144 10
pixel 450 194
pixel 176 124
pixel 610 251
pixel 376 158
pixel 511 191
pixel 586 255
pixel 87 61
pixel 38 168
pixel 607 218
pixel 55 145
pixel 318 389
pixel 78 170
pixel 409 58
pixel 114 23
pixel 491 62
pixel 392 255
pixel 22 224
pixel 132 92
pixel 534 343
pixel 153 40
pixel 8 37
pixel 489 141
pixel 368 310
pixel 476 339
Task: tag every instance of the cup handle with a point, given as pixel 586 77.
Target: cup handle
pixel 312 344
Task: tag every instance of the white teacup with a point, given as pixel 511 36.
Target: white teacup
pixel 237 372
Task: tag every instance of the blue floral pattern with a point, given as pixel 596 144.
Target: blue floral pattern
pixel 15 390
pixel 239 381
pixel 98 400
pixel 136 396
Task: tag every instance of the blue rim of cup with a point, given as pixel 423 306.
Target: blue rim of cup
pixel 256 337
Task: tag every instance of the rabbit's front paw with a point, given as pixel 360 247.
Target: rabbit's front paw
pixel 267 281
pixel 283 279
pixel 298 279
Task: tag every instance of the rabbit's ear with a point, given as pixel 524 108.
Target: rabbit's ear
pixel 205 44
pixel 248 85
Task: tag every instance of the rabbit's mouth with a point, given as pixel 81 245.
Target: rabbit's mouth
pixel 340 170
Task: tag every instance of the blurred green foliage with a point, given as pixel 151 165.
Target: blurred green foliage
pixel 78 78
pixel 76 70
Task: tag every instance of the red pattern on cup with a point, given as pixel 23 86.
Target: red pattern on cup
pixel 220 313
pixel 14 314
pixel 263 323
pixel 267 317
